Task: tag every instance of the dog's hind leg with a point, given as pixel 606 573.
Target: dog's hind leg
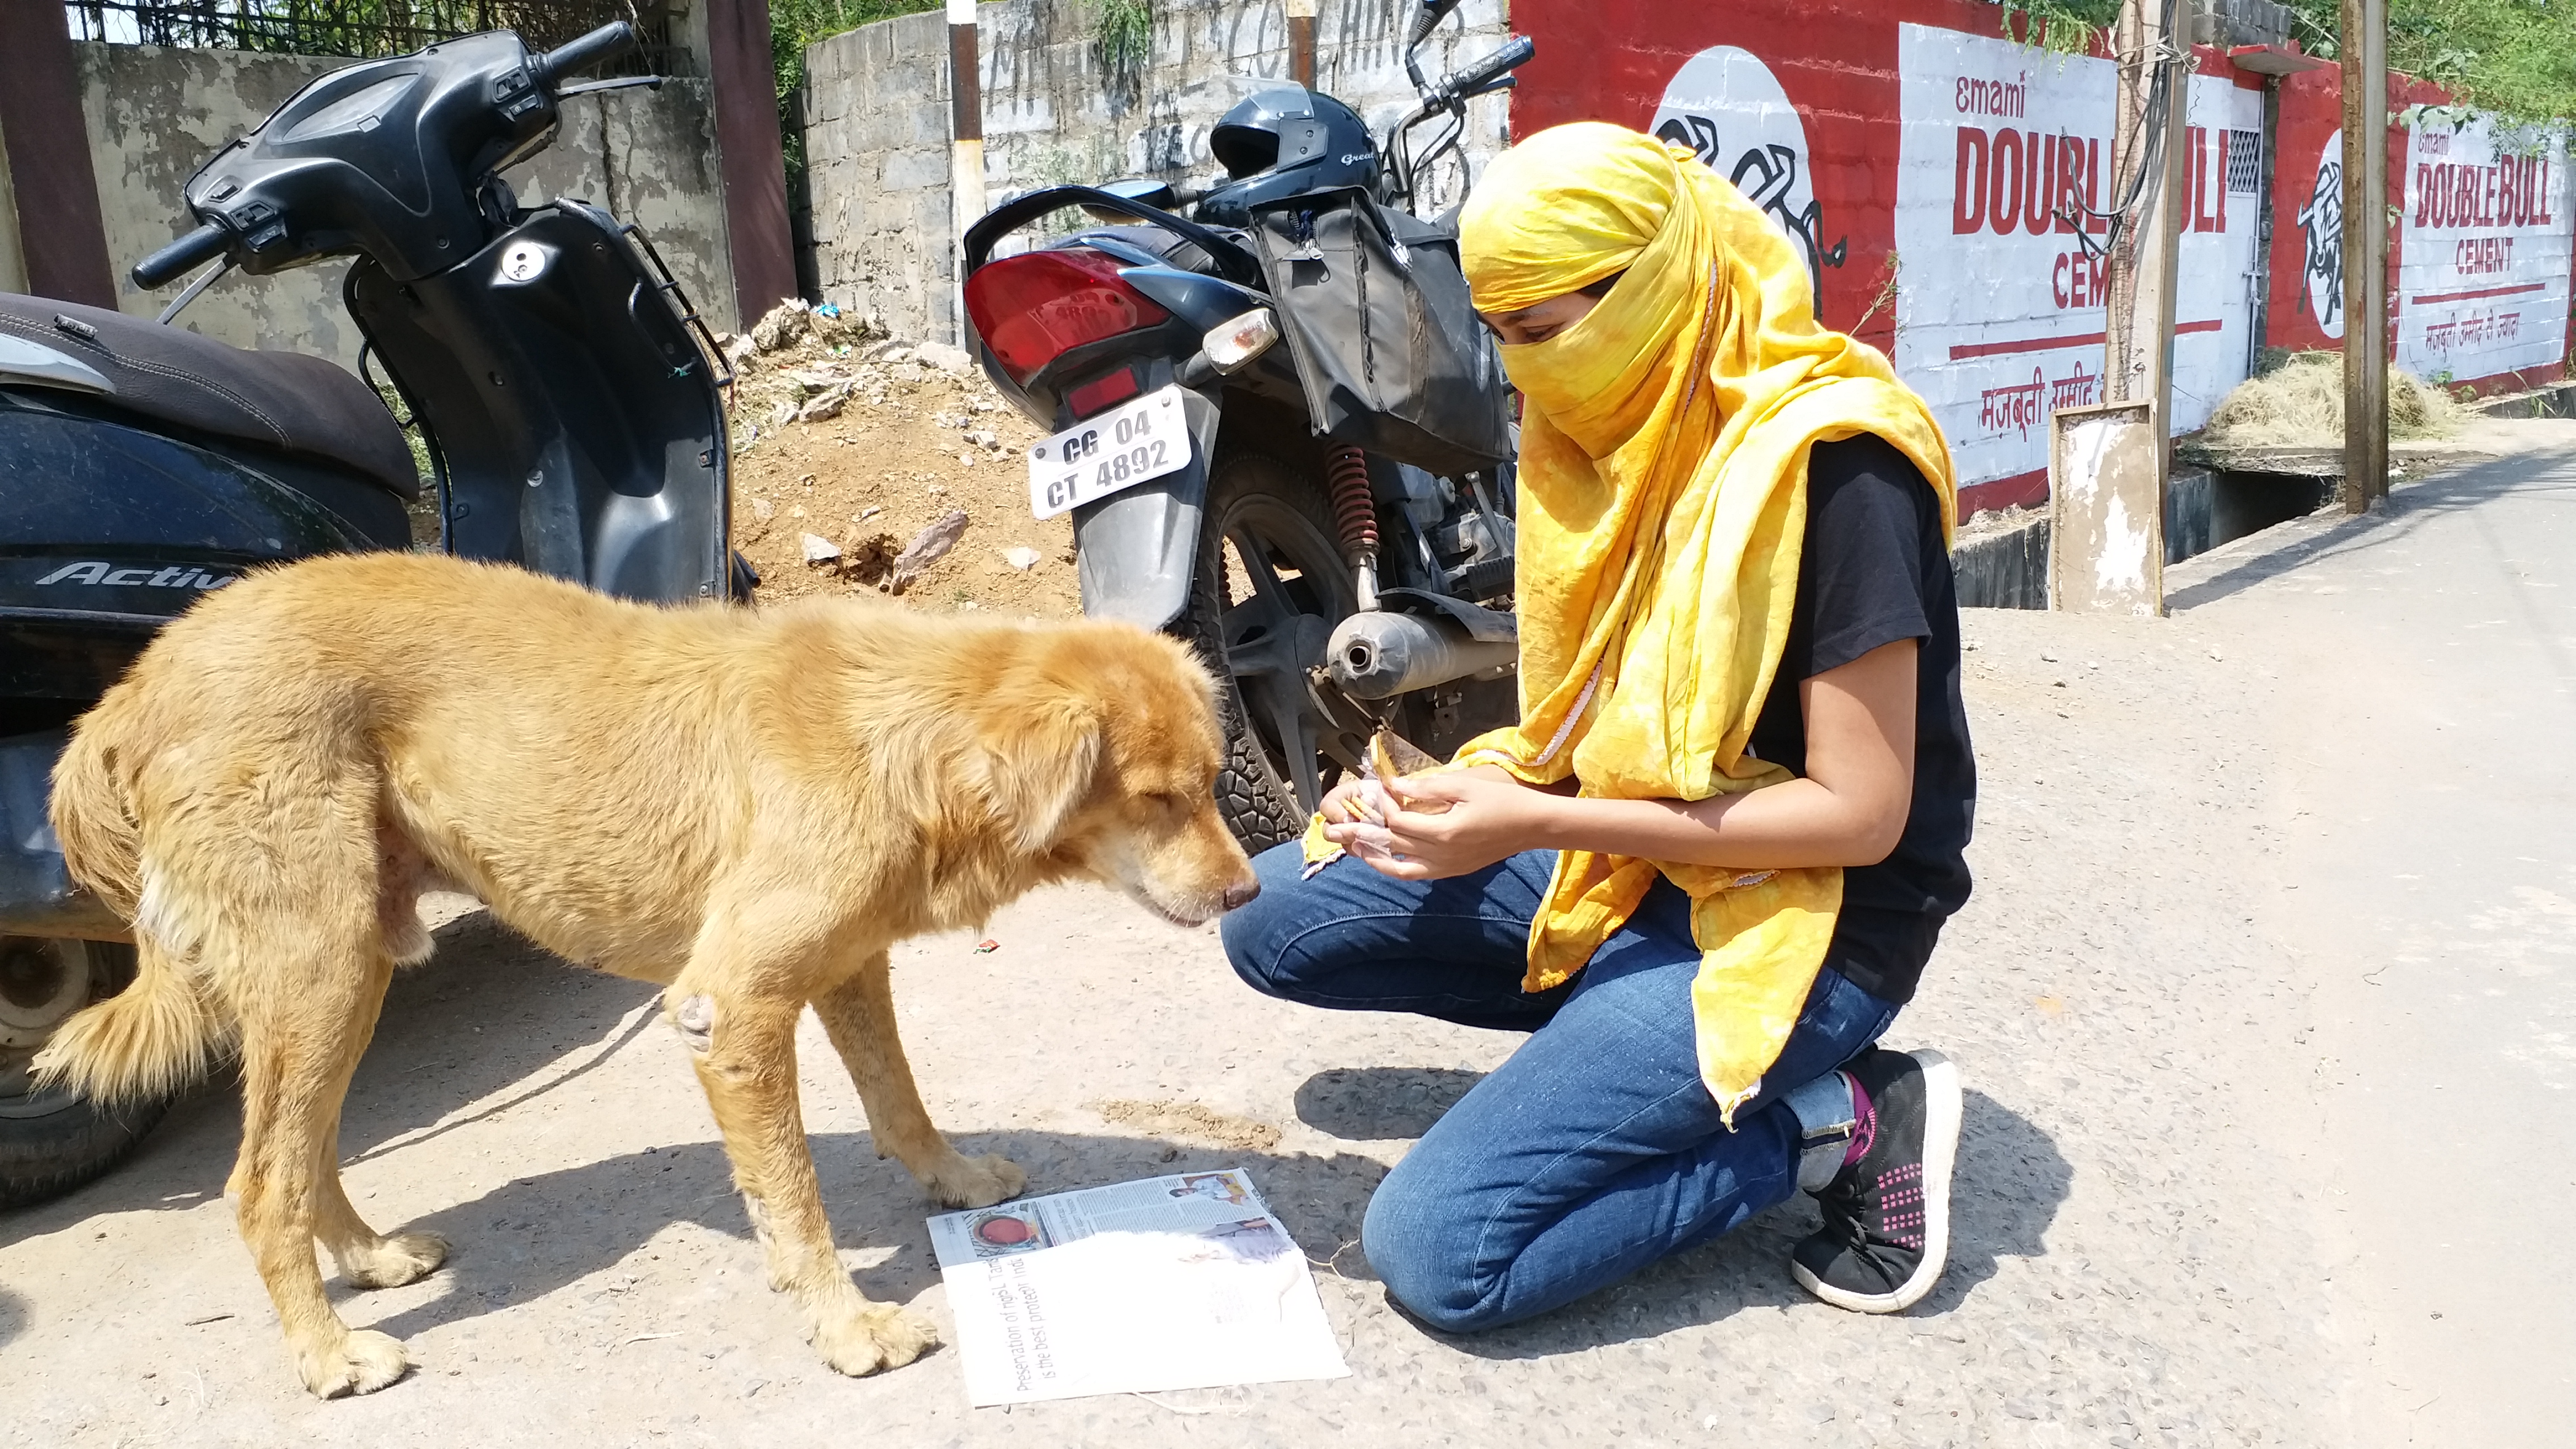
pixel 859 1016
pixel 743 1044
pixel 301 1039
pixel 367 1258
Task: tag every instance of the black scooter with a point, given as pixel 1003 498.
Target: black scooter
pixel 565 397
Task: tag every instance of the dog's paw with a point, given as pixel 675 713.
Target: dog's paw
pixel 973 1182
pixel 393 1261
pixel 879 1336
pixel 361 1362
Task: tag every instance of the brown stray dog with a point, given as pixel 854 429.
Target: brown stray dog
pixel 749 808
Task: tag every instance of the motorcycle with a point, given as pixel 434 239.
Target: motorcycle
pixel 1281 430
pixel 565 396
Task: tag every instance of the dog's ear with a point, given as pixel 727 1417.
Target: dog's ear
pixel 1036 764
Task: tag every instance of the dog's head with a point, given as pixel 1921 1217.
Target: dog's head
pixel 1096 752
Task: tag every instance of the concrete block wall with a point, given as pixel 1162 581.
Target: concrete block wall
pixel 875 113
pixel 2242 22
pixel 154 114
pixel 876 122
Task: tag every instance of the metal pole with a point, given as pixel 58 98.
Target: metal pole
pixel 966 156
pixel 1301 41
pixel 2365 253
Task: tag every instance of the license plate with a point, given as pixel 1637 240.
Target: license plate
pixel 1132 443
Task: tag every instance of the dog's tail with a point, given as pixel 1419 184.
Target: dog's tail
pixel 94 815
pixel 160 1032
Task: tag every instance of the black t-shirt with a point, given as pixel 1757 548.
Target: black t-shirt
pixel 1873 571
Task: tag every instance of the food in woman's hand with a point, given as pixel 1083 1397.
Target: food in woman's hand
pixel 1391 758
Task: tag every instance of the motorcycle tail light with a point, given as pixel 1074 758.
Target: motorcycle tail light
pixel 1033 308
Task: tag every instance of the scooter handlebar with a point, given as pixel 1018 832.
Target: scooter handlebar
pixel 202 245
pixel 582 52
pixel 1468 79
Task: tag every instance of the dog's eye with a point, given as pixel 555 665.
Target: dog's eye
pixel 1175 804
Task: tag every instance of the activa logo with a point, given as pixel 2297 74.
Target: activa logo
pixel 175 576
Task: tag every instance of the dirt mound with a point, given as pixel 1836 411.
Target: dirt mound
pixel 2300 405
pixel 863 442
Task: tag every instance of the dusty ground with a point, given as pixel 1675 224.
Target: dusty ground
pixel 2160 1237
pixel 910 443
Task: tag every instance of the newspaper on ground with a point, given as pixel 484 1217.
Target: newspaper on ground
pixel 1180 1282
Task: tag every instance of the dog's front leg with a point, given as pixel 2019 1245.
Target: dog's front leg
pixel 859 1016
pixel 744 1047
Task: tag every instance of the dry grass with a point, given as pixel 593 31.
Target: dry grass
pixel 2300 404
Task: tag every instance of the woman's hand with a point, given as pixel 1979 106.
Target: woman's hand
pixel 1443 824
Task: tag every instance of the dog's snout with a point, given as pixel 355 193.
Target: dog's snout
pixel 1240 894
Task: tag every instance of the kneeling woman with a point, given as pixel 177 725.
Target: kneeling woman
pixel 1708 866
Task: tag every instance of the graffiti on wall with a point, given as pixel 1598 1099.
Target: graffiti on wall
pixel 2321 232
pixel 1725 105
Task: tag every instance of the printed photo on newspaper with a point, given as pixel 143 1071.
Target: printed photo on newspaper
pixel 1180 1282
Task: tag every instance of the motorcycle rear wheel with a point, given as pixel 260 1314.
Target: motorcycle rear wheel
pixel 1269 585
pixel 53 1141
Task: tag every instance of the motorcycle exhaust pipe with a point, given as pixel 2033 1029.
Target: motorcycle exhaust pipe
pixel 1378 655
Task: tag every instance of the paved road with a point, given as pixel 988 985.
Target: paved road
pixel 2426 886
pixel 2254 1093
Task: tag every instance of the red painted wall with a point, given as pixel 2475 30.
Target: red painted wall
pixel 2312 116
pixel 1609 60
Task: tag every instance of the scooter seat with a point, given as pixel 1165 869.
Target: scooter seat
pixel 285 400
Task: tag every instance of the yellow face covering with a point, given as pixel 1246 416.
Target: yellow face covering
pixel 1663 500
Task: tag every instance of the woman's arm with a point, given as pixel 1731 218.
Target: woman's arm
pixel 1849 808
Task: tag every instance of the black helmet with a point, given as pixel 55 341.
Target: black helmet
pixel 1286 141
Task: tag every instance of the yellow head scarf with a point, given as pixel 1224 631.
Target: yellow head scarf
pixel 1663 488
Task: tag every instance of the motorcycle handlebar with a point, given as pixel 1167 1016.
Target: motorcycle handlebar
pixel 1470 78
pixel 582 52
pixel 202 245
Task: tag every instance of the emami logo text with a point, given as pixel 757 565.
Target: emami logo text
pixel 176 576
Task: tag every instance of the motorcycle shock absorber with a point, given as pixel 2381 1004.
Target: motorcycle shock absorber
pixel 1355 517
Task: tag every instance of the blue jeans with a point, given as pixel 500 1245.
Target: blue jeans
pixel 1594 1151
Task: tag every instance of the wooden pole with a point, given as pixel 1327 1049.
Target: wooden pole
pixel 2140 272
pixel 2109 466
pixel 2120 268
pixel 966 155
pixel 2365 253
pixel 1301 41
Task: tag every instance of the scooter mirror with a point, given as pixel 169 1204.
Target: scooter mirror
pixel 1144 189
pixel 1427 19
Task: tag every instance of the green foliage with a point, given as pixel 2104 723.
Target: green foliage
pixel 2513 57
pixel 2065 27
pixel 1122 31
pixel 2516 57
